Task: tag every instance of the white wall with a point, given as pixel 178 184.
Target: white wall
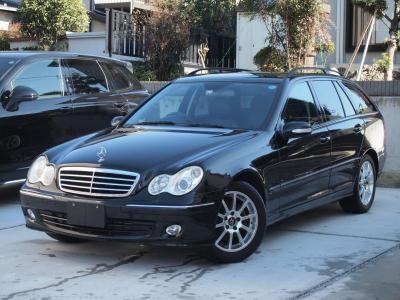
pixel 251 36
pixel 6 17
pixel 92 43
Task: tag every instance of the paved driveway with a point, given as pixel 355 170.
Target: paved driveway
pixel 322 254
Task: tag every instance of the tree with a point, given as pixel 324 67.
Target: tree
pixel 167 32
pixel 379 7
pixel 47 20
pixel 295 27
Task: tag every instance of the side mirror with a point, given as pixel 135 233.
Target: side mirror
pixel 296 129
pixel 20 94
pixel 116 121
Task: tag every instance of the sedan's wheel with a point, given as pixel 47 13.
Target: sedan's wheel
pixel 240 224
pixel 364 188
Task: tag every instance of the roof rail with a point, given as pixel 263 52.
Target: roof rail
pixel 327 71
pixel 215 71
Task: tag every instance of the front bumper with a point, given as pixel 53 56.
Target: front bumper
pixel 122 222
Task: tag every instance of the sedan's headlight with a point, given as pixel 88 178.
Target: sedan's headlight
pixel 41 171
pixel 179 184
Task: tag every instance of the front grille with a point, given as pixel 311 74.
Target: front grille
pixel 96 182
pixel 114 227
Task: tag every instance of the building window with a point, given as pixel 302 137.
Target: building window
pixel 357 20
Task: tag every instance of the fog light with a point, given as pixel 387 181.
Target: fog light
pixel 31 214
pixel 173 230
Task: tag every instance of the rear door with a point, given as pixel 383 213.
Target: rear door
pixel 123 82
pixel 94 103
pixel 346 131
pixel 35 125
pixel 304 161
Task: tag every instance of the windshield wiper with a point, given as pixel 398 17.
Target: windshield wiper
pixel 204 125
pixel 155 123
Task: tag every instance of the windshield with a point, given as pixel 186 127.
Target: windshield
pixel 233 105
pixel 6 64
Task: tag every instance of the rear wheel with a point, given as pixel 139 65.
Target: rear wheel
pixel 64 238
pixel 240 224
pixel 364 188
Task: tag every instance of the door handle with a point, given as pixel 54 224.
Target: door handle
pixel 324 139
pixel 65 109
pixel 357 128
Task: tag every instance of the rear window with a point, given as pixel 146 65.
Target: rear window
pixel 358 99
pixel 329 100
pixel 120 77
pixel 234 105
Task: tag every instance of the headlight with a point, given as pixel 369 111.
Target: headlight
pixel 179 184
pixel 41 171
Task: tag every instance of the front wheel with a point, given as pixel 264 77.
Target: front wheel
pixel 240 224
pixel 364 188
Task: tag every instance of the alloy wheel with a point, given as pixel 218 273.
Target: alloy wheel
pixel 366 182
pixel 237 222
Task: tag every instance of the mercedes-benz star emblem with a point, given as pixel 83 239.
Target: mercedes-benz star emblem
pixel 101 154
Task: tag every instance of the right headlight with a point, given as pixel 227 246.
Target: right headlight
pixel 179 184
pixel 41 171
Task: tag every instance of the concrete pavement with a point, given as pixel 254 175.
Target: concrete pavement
pixel 321 254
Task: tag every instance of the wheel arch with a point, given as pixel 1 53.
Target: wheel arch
pixel 371 152
pixel 254 179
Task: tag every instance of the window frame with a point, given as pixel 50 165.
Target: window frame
pixel 69 80
pixel 62 77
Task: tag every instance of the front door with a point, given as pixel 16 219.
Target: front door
pixel 303 161
pixel 34 126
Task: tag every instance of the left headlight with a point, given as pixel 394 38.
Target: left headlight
pixel 41 171
pixel 179 184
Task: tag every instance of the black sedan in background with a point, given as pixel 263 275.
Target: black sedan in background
pixel 49 98
pixel 212 160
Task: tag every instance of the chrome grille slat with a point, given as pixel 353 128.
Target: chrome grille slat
pixel 102 182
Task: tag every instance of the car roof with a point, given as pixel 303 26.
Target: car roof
pixel 52 54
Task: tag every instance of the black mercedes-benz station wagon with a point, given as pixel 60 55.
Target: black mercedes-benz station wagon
pixel 47 98
pixel 211 161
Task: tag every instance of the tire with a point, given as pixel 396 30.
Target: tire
pixel 65 239
pixel 364 188
pixel 248 221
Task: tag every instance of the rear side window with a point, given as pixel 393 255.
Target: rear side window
pixel 120 77
pixel 328 99
pixel 359 100
pixel 300 105
pixel 348 107
pixel 42 76
pixel 86 77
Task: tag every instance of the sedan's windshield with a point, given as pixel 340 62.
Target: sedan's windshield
pixel 208 104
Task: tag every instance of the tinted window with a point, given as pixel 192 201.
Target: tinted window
pixel 210 104
pixel 329 100
pixel 348 107
pixel 360 102
pixel 120 76
pixel 42 76
pixel 300 105
pixel 86 77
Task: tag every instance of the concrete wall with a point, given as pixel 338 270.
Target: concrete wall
pixel 390 108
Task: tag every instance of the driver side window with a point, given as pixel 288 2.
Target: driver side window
pixel 42 76
pixel 300 105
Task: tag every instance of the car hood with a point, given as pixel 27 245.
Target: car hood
pixel 145 149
